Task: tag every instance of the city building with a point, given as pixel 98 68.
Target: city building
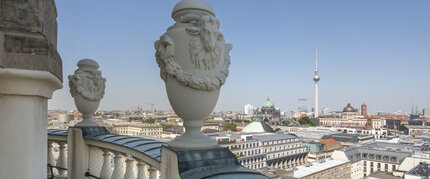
pixel 249 110
pixel 136 129
pixel 256 151
pixel 376 133
pixel 324 169
pixel 426 112
pixel 268 113
pixel 322 149
pixel 302 106
pixel 420 171
pixel 417 130
pixel 350 118
pixel 349 139
pixel 325 111
pixel 375 156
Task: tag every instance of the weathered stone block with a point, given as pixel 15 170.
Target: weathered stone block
pixel 28 36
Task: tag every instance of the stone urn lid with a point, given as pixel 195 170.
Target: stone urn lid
pixel 88 63
pixel 185 5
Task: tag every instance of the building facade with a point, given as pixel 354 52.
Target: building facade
pixel 256 151
pixel 371 157
pixel 135 129
pixel 350 118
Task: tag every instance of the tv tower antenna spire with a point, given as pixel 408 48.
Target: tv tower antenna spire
pixel 316 79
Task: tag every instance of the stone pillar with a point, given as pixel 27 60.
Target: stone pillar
pixel 77 152
pixel 30 71
pixel 23 121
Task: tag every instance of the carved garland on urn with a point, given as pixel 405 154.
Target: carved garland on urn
pixel 206 50
pixel 88 82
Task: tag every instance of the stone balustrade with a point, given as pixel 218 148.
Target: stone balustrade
pixel 115 158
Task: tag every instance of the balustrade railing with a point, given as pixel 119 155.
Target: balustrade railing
pixel 117 159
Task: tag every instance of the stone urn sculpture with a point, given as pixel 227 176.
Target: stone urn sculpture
pixel 87 87
pixel 194 60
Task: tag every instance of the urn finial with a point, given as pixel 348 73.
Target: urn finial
pixel 87 87
pixel 194 61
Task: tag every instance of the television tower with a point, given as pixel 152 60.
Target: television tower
pixel 316 79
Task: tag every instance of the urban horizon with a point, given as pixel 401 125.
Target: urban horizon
pixel 377 58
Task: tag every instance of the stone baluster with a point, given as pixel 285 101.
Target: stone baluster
pixel 106 171
pixel 152 172
pixel 62 159
pixel 118 172
pixel 129 170
pixel 51 159
pixel 141 170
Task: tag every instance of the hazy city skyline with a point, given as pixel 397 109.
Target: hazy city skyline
pixel 368 51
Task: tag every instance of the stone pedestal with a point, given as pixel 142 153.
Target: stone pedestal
pixel 78 150
pixel 23 121
pixel 204 163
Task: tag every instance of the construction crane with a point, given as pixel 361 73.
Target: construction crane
pixel 138 111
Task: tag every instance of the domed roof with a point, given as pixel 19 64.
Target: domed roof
pixel 258 126
pixel 268 104
pixel 348 108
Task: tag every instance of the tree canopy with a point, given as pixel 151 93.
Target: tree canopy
pixel 307 121
pixel 230 126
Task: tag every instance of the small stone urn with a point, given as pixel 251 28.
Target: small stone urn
pixel 87 87
pixel 194 60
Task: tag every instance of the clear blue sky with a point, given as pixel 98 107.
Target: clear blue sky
pixel 376 52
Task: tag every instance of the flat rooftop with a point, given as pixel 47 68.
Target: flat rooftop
pixel 316 167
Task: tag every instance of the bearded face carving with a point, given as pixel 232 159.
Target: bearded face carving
pixel 206 47
pixel 207 52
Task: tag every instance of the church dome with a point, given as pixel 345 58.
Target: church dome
pixel 268 104
pixel 348 108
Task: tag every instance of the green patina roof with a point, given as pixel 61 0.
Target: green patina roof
pixel 257 126
pixel 268 104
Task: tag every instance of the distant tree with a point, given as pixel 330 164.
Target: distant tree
pixel 402 127
pixel 149 120
pixel 277 129
pixel 166 126
pixel 230 126
pixel 307 121
pixel 389 133
pixel 286 122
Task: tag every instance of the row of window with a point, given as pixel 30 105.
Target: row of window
pixel 249 152
pixel 280 141
pixel 378 166
pixel 255 166
pixel 244 146
pixel 283 147
pixel 377 157
pixel 286 153
pixel 251 160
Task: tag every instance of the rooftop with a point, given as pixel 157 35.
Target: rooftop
pixel 273 137
pixel 422 169
pixel 315 167
pixel 258 126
